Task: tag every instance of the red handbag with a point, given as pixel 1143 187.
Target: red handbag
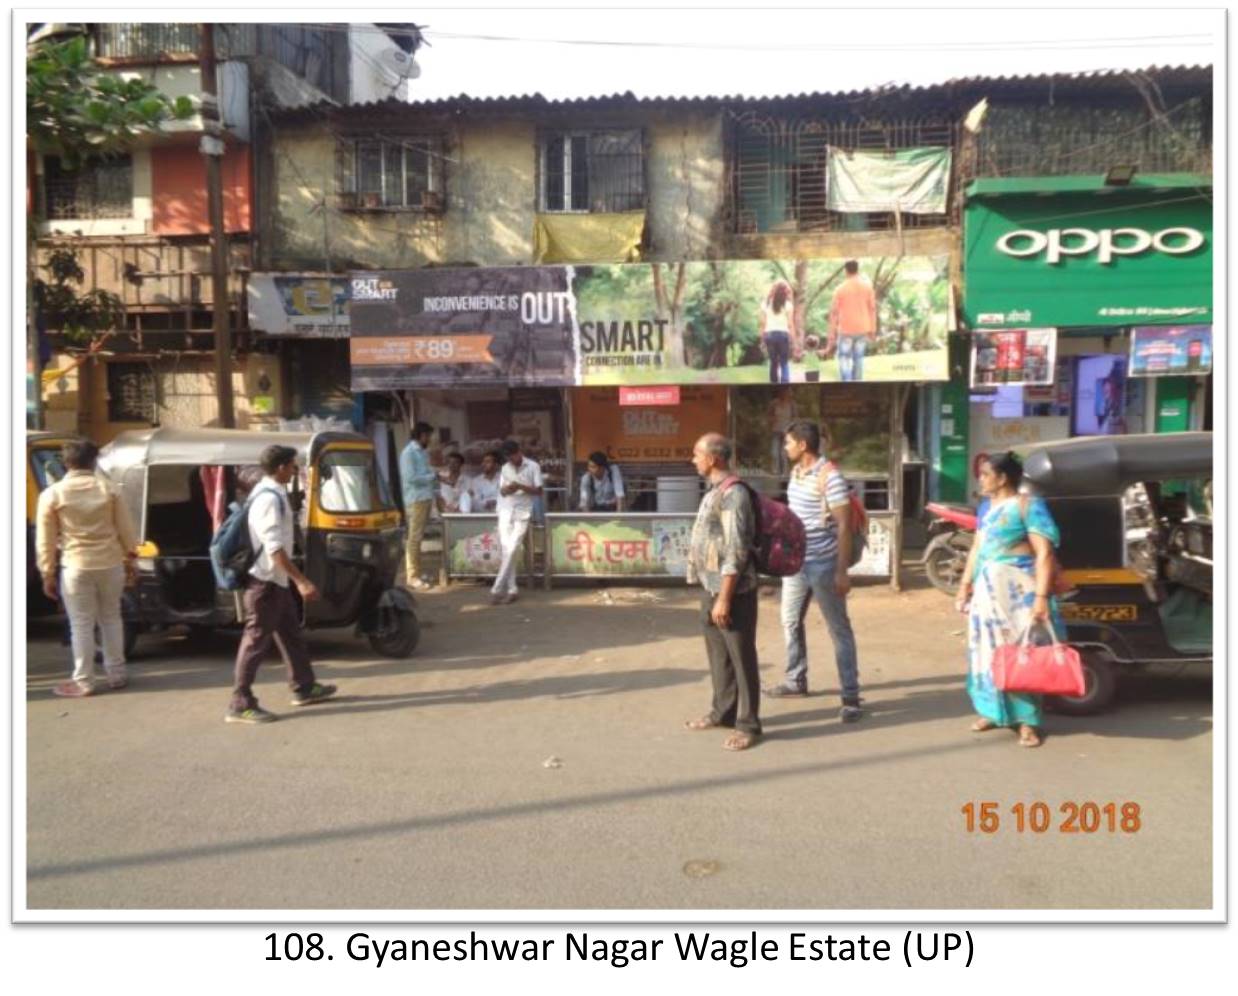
pixel 1054 669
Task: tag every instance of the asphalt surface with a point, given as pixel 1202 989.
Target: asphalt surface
pixel 532 756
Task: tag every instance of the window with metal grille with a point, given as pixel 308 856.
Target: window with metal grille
pixel 592 171
pixel 130 392
pixel 390 173
pixel 146 41
pixel 101 188
pixel 779 169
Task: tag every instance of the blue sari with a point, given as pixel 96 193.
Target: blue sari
pixel 1001 606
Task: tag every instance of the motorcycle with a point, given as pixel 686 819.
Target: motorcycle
pixel 952 532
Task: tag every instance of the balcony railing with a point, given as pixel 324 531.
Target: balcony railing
pixel 146 41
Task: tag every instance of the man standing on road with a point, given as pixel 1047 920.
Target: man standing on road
pixel 520 481
pixel 82 520
pixel 420 484
pixel 720 558
pixel 853 322
pixel 818 493
pixel 270 609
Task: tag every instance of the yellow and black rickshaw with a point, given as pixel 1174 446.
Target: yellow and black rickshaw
pixel 178 484
pixel 1135 515
pixel 44 467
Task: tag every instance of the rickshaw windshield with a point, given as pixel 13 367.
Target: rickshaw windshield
pixel 48 467
pixel 348 482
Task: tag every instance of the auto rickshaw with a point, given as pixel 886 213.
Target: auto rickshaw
pixel 178 483
pixel 43 468
pixel 1135 515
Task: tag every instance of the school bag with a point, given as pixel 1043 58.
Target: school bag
pixel 857 521
pixel 780 542
pixel 232 553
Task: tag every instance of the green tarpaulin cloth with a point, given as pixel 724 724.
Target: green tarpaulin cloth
pixel 913 181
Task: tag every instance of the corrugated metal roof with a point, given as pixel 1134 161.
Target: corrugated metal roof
pixel 959 87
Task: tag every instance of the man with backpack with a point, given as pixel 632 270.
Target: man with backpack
pixel 721 558
pixel 820 496
pixel 270 608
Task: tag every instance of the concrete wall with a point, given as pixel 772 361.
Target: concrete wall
pixel 178 181
pixel 185 391
pixel 491 198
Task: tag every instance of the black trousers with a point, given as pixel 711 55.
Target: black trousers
pixel 733 663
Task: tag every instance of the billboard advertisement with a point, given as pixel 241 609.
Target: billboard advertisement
pixel 632 324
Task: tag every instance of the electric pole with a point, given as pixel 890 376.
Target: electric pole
pixel 212 147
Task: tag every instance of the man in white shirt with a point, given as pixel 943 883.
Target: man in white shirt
pixel 482 493
pixel 520 481
pixel 453 486
pixel 270 608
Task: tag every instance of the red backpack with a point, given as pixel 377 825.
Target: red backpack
pixel 780 542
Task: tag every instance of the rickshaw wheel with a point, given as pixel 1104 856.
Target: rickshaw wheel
pixel 397 630
pixel 1100 687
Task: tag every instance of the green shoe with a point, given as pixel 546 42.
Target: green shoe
pixel 317 693
pixel 253 715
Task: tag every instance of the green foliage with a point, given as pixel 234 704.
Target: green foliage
pixel 79 316
pixel 75 109
pixel 722 312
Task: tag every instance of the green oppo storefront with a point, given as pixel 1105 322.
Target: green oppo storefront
pixel 1123 273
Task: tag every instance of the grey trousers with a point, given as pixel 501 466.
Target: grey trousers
pixel 733 663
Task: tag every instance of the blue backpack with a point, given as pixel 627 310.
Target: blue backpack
pixel 232 553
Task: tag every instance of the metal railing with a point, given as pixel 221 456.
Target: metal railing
pixel 146 41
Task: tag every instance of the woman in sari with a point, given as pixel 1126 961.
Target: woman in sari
pixel 1006 589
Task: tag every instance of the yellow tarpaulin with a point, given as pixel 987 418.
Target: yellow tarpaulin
pixel 588 238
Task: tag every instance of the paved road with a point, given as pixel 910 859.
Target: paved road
pixel 424 785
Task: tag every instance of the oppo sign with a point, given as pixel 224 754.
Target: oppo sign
pixel 1106 243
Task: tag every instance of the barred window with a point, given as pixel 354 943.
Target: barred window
pixel 146 40
pixel 780 171
pixel 392 174
pixel 593 171
pixel 101 188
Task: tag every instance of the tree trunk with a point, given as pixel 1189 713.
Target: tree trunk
pixel 668 305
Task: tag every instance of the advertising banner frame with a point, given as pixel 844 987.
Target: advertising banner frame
pixel 689 323
pixel 557 566
pixel 1066 257
pixel 983 340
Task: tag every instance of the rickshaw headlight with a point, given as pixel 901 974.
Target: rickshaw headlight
pixel 367 551
pixel 146 564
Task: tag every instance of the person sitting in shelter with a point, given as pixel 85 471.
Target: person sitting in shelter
pixel 601 485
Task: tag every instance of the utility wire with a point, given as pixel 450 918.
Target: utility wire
pixel 1199 40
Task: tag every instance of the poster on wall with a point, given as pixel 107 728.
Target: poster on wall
pixel 1024 357
pixel 302 305
pixel 1171 350
pixel 649 433
pixel 633 546
pixel 718 322
pixel 473 548
pixel 855 418
pixel 1100 396
pixel 879 550
pixel 498 326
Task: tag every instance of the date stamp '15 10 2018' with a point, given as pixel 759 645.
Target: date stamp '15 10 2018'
pixel 1039 817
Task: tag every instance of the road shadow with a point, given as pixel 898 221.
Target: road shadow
pixel 572 686
pixel 459 637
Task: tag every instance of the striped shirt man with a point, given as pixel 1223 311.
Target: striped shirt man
pixel 804 496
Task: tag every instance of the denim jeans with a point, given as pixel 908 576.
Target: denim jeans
pixel 816 580
pixel 779 346
pixel 851 350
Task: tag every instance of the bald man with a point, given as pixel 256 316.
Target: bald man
pixel 720 558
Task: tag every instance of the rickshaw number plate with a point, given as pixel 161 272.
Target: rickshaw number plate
pixel 1100 613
